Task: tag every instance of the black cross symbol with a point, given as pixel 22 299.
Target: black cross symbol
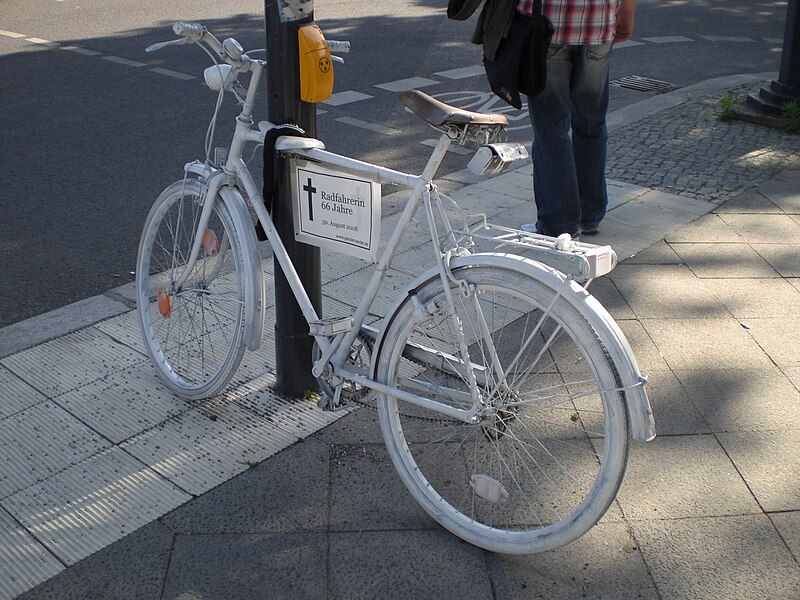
pixel 311 191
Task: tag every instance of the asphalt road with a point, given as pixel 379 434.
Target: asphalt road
pixel 90 137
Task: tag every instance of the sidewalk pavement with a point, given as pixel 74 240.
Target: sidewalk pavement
pixel 113 488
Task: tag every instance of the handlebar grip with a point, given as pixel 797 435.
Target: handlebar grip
pixel 191 30
pixel 338 47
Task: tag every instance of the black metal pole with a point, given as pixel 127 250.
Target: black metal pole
pixel 292 342
pixel 787 87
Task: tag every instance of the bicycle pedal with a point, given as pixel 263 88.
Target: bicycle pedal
pixel 331 326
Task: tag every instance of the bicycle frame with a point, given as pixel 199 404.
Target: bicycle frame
pixel 235 173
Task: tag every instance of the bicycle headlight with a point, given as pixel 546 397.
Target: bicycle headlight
pixel 219 77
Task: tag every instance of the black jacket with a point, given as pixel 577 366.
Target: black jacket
pixel 494 22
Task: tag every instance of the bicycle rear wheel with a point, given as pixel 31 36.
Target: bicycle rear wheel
pixel 546 458
pixel 193 334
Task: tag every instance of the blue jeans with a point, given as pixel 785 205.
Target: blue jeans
pixel 569 180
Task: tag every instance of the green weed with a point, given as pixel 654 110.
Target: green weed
pixel 726 112
pixel 791 112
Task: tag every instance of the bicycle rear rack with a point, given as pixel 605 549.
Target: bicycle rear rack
pixel 580 260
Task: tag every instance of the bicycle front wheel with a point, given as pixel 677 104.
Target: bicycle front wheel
pixel 193 333
pixel 545 458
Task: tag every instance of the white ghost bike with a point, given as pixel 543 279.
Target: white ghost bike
pixel 506 393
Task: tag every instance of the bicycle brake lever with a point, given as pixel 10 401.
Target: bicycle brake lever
pixel 160 45
pixel 337 59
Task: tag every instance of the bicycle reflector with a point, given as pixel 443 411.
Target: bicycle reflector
pixel 491 159
pixel 164 306
pixel 316 66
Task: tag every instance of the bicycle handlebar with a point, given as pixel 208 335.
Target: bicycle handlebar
pixel 199 33
pixel 194 31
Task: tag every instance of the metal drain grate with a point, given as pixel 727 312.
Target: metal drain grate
pixel 644 84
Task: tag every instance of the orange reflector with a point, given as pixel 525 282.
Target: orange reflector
pixel 210 243
pixel 164 306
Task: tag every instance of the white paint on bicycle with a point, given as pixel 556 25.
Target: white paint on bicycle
pixel 488 488
pixel 487 102
pixel 336 210
pixel 294 10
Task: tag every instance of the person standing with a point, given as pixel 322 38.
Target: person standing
pixel 569 171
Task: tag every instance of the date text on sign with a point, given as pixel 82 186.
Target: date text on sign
pixel 336 210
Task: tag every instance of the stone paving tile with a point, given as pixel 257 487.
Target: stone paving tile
pixel 780 339
pixel 674 413
pixel 622 237
pixel 781 195
pixel 285 494
pixel 769 461
pixel 764 229
pixel 647 355
pixel 604 563
pixel 743 399
pixel 609 296
pixel 705 343
pixel 666 291
pixel 39 442
pixel 752 201
pixel 133 567
pixel 784 258
pixel 367 493
pixel 17 395
pixel 753 298
pixel 359 427
pixel 788 526
pixel 682 476
pixel 404 565
pixel 793 373
pixel 244 566
pixel 724 260
pixel 709 228
pixel 659 253
pixel 738 557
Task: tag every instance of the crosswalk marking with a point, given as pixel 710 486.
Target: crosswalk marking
pixel 369 126
pixel 123 61
pixel 346 97
pixel 401 85
pixel 462 73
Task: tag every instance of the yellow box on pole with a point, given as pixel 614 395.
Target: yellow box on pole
pixel 316 66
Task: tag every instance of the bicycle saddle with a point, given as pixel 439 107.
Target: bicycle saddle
pixel 438 113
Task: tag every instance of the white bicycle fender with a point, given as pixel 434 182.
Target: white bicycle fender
pixel 253 276
pixel 641 415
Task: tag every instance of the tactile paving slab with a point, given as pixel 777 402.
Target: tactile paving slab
pixel 93 504
pixel 24 562
pixel 300 417
pixel 124 403
pixel 15 394
pixel 72 361
pixel 125 329
pixel 39 442
pixel 201 448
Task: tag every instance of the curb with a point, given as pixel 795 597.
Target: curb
pixel 89 311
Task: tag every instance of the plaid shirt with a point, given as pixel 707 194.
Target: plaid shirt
pixel 578 21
